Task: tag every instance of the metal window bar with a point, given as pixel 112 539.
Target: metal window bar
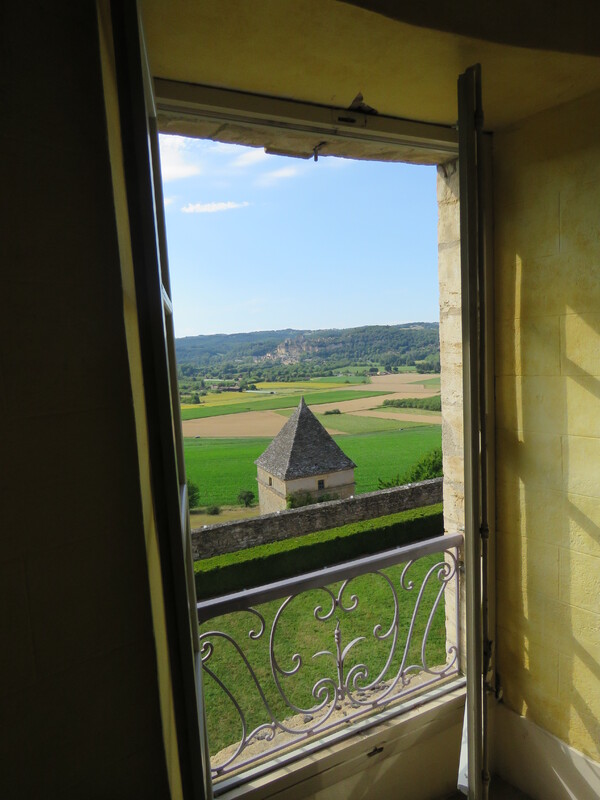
pixel 362 696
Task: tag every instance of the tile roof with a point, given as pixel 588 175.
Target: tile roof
pixel 303 448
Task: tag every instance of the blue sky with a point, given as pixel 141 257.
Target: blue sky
pixel 259 242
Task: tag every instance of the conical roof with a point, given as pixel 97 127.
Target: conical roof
pixel 303 448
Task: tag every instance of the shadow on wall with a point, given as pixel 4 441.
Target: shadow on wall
pixel 548 437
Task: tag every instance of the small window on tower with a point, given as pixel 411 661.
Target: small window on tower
pixel 321 484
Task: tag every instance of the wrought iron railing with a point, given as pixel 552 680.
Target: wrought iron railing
pixel 284 686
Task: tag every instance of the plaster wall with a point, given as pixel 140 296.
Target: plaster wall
pixel 547 256
pixel 342 483
pixel 271 492
pixel 273 496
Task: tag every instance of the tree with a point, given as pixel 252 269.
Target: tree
pixel 193 494
pixel 246 497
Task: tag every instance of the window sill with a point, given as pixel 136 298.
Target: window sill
pixel 384 745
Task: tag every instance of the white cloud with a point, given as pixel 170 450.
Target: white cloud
pixel 211 208
pixel 269 178
pixel 168 201
pixel 178 158
pixel 251 156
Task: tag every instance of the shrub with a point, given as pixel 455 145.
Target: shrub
pixel 333 411
pixel 246 498
pixel 213 510
pixel 193 494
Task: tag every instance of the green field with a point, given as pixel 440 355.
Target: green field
pixel 261 403
pixel 351 423
pixel 223 467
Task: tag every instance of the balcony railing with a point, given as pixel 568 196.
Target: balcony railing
pixel 305 661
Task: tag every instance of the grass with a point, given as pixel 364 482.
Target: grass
pixel 258 403
pixel 223 467
pixel 299 632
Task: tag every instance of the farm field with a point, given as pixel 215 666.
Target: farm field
pixel 354 423
pixel 224 436
pixel 407 415
pixel 223 467
pixel 249 402
pixel 432 382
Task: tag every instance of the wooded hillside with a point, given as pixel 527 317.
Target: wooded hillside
pixel 287 354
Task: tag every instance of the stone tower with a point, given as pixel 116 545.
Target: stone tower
pixel 302 458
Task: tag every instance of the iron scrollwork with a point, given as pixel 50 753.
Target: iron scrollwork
pixel 352 684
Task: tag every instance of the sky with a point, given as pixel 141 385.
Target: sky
pixel 262 242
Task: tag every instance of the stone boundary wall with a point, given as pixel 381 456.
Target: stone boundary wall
pixel 228 537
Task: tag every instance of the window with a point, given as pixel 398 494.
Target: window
pixel 166 458
pixel 321 483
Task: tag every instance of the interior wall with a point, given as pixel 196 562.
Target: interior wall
pixel 78 674
pixel 547 255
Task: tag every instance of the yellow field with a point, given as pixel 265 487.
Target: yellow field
pixel 280 389
pixel 226 398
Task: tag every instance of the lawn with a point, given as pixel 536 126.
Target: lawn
pixel 299 632
pixel 245 402
pixel 223 467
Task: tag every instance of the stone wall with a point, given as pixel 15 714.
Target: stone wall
pixel 451 344
pixel 231 536
pixel 451 373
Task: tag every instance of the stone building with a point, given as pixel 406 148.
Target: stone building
pixel 302 458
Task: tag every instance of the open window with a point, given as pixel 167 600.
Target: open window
pixel 156 331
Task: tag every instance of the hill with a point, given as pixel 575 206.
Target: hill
pixel 289 353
